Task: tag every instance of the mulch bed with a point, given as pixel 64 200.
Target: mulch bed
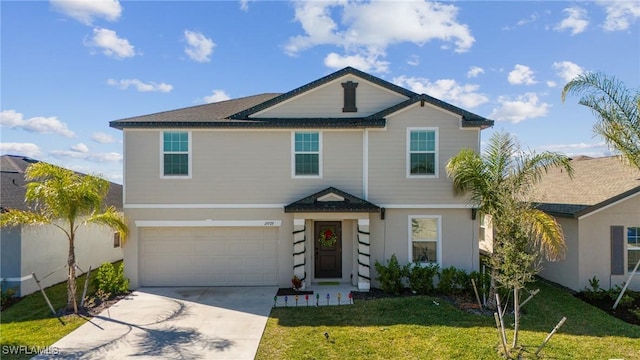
pixel 292 292
pixel 622 311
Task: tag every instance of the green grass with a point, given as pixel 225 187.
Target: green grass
pixel 30 322
pixel 415 327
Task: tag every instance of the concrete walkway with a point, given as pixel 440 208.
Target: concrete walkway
pixel 175 323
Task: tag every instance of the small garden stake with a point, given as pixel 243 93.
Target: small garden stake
pixel 285 301
pixel 501 334
pixel 350 298
pixel 317 299
pixel 339 296
pixel 328 298
pixel 275 300
pixel 296 300
pixel 306 297
pixel 555 329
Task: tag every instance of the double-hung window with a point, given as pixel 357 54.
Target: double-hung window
pixel 307 154
pixel 422 152
pixel 633 247
pixel 176 154
pixel 424 239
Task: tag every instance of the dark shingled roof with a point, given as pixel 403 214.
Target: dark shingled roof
pixel 237 113
pixel 13 184
pixel 350 204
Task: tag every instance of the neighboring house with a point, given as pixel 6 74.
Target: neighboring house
pixel 43 250
pixel 241 192
pixel 599 211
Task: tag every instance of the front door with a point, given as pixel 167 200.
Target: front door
pixel 328 249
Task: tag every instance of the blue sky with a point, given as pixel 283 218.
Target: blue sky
pixel 70 67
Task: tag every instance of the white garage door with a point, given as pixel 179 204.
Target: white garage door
pixel 198 256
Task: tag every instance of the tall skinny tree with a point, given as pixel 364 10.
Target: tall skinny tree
pixel 66 200
pixel 498 183
pixel 615 106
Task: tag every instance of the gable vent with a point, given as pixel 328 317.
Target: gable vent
pixel 349 96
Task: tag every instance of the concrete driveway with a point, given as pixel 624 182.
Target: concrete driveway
pixel 175 323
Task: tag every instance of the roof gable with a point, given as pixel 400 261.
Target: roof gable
pixel 331 200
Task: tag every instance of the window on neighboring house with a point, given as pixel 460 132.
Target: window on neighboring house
pixel 306 154
pixel 424 239
pixel 633 247
pixel 175 153
pixel 483 228
pixel 422 156
pixel 116 240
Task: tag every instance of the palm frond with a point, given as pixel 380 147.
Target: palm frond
pixel 547 234
pixel 13 218
pixel 112 219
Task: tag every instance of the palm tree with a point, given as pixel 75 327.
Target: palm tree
pixel 498 184
pixel 616 108
pixel 65 200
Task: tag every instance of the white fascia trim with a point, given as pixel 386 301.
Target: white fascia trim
pixel 608 206
pixel 427 206
pixel 208 223
pixel 20 279
pixel 204 206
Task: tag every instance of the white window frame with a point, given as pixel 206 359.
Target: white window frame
pixel 117 240
pixel 293 155
pixel 435 152
pixel 629 267
pixel 189 154
pixel 438 241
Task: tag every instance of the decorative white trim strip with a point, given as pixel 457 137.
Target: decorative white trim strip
pixel 363 222
pixel 20 279
pixel 298 222
pixel 204 206
pixel 608 206
pixel 208 223
pixel 427 206
pixel 365 164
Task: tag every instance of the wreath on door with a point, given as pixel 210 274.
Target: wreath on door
pixel 327 238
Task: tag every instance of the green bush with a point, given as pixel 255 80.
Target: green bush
pixel 421 277
pixel 390 276
pixel 110 279
pixel 6 294
pixel 453 281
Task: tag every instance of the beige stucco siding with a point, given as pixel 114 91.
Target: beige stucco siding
pixel 388 181
pixel 328 101
pixel 595 242
pixel 253 168
pixel 566 271
pixel 458 233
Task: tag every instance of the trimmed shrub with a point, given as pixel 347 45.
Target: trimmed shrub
pixel 453 281
pixel 110 279
pixel 421 277
pixel 390 276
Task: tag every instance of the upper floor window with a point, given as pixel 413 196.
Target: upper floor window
pixel 307 157
pixel 633 247
pixel 176 157
pixel 422 152
pixel 424 238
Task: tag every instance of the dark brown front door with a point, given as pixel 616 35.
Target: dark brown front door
pixel 328 262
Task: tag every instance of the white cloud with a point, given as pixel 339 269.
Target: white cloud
pixel 111 44
pixel 103 138
pixel 567 70
pixel 414 60
pixel 199 47
pixel 599 149
pixel 523 107
pixel 576 20
pixel 367 63
pixel 39 124
pixel 93 157
pixel 474 71
pixel 620 14
pixel 86 10
pixel 216 95
pixel 139 85
pixel 244 5
pixel 26 149
pixel 521 74
pixel 357 26
pixel 551 83
pixel 80 147
pixel 466 96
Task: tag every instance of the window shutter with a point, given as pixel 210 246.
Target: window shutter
pixel 617 250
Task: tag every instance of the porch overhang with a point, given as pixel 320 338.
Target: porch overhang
pixel 331 200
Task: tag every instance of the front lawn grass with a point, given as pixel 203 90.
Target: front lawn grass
pixel 30 323
pixel 417 328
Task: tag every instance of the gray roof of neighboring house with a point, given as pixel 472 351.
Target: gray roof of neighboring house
pixel 349 204
pixel 597 182
pixel 13 184
pixel 237 113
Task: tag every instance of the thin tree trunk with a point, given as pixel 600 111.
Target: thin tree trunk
pixel 72 304
pixel 516 315
pixel 491 301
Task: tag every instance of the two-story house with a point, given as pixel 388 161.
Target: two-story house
pixel 319 182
